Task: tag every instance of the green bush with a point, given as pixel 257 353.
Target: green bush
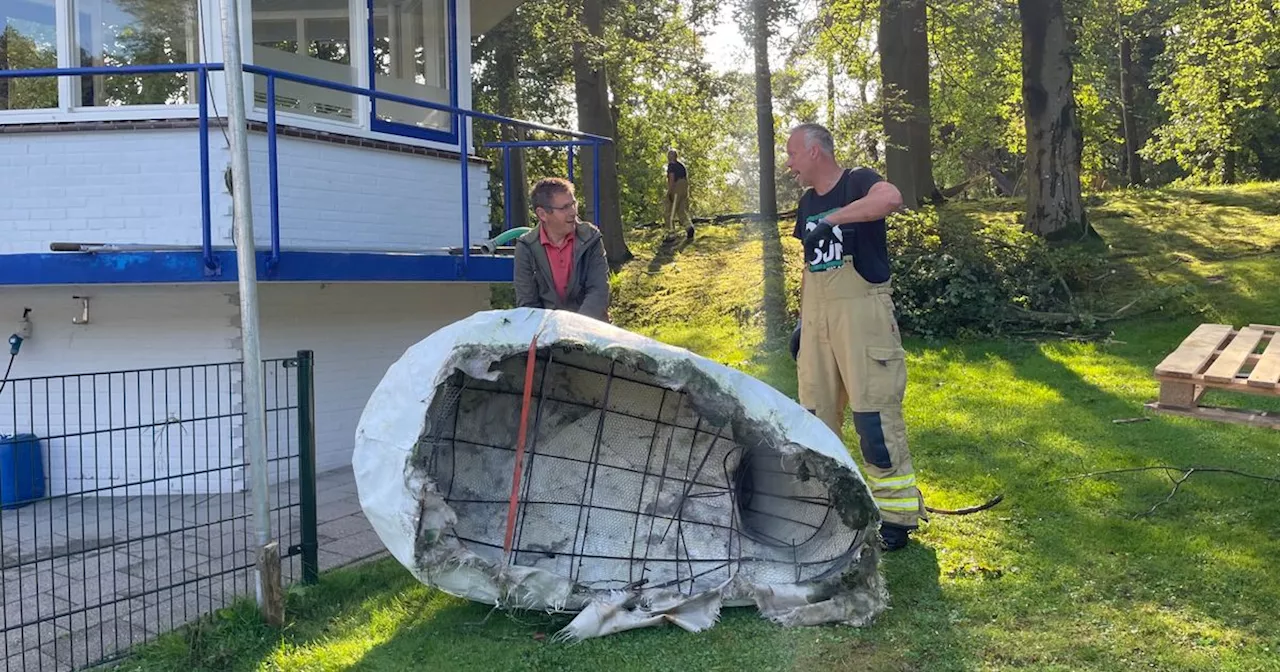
pixel 959 276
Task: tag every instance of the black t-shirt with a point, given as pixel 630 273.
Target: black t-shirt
pixel 864 241
pixel 677 169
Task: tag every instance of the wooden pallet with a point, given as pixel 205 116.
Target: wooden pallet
pixel 1218 356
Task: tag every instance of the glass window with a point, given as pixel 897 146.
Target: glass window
pixel 136 32
pixel 411 58
pixel 28 40
pixel 305 37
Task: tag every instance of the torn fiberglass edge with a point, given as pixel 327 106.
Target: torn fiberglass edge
pixel 655 485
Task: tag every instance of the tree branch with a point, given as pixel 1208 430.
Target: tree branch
pixel 1176 484
pixel 1184 474
pixel 1166 468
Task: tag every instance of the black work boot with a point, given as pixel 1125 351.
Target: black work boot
pixel 688 232
pixel 893 537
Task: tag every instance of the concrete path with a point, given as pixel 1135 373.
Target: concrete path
pixel 84 578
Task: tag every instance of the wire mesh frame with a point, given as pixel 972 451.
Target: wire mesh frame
pixel 145 519
pixel 795 512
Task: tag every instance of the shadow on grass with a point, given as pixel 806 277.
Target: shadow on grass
pixel 377 617
pixel 667 250
pixel 1263 199
pixel 1082 558
pixel 1189 222
pixel 741 640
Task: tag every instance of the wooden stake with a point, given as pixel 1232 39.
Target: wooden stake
pixel 271 601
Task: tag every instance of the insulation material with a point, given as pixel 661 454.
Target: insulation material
pixel 655 485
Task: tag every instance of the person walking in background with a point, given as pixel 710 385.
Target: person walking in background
pixel 677 196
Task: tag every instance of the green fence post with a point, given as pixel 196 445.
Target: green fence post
pixel 307 466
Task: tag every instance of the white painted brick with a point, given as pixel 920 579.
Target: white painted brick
pixel 338 196
pixel 85 418
pixel 356 331
pixel 144 187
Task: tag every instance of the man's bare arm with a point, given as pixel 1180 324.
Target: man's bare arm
pixel 881 200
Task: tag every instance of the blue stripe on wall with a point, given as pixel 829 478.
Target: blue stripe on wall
pixel 73 268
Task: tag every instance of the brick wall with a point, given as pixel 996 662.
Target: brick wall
pixel 129 186
pixel 356 331
pixel 101 395
pixel 142 185
pixel 122 422
pixel 335 196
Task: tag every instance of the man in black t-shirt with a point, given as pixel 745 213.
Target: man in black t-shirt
pixel 677 196
pixel 850 351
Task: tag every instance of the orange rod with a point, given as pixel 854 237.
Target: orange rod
pixel 519 466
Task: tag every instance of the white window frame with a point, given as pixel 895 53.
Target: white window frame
pixel 68 85
pixel 211 52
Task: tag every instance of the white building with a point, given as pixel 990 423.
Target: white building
pixel 363 260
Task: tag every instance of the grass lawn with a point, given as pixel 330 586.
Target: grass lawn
pixel 1061 575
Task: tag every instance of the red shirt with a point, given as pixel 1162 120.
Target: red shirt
pixel 561 259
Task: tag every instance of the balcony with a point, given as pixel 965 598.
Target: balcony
pixel 328 207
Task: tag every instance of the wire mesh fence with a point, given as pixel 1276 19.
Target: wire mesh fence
pixel 126 509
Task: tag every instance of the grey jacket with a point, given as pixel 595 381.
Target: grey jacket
pixel 588 290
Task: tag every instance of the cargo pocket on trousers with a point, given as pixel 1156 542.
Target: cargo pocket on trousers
pixel 885 383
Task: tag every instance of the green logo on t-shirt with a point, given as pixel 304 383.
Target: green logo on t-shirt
pixel 828 251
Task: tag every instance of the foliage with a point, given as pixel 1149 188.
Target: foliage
pixel 19 51
pixel 976 98
pixel 959 275
pixel 1221 83
pixel 664 96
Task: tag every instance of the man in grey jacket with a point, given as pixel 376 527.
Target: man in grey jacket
pixel 561 264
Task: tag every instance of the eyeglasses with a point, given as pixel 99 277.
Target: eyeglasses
pixel 566 206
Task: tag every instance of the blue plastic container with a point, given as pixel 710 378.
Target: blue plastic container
pixel 21 470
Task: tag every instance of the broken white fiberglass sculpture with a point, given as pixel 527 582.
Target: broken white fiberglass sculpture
pixel 652 484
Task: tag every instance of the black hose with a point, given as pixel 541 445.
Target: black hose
pixel 5 381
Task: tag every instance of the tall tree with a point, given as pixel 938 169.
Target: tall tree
pixel 1055 205
pixel 904 68
pixel 757 19
pixel 595 116
pixel 761 30
pixel 506 59
pixel 1128 105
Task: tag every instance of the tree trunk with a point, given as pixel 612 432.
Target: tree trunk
pixel 4 65
pixel 764 109
pixel 591 91
pixel 1055 206
pixel 904 72
pixel 1224 99
pixel 775 301
pixel 868 138
pixel 507 62
pixel 1127 109
pixel 831 94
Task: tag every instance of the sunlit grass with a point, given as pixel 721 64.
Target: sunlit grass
pixel 1063 575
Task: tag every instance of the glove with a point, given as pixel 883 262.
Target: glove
pixel 821 230
pixel 795 343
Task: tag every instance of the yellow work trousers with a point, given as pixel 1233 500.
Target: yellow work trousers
pixel 678 206
pixel 851 354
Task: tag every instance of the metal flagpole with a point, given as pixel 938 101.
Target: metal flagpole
pixel 255 433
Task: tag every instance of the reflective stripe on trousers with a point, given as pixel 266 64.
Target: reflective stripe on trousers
pixel 851 355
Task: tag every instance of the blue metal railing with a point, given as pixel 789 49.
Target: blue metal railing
pixel 202 71
pixel 507 146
